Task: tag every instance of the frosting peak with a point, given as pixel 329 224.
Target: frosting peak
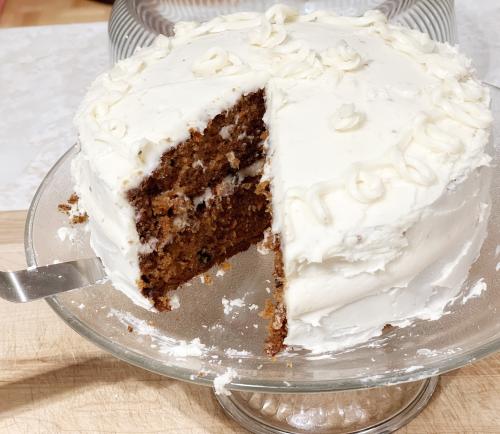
pixel 280 14
pixel 346 118
pixel 343 57
pixel 217 61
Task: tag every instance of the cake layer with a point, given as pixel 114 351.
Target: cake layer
pixel 199 206
pixel 206 232
pixel 231 140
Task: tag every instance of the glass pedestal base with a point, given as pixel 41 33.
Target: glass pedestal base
pixel 377 410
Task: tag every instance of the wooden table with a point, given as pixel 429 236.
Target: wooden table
pixel 39 12
pixel 52 380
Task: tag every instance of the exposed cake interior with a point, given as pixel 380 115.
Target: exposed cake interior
pixel 204 203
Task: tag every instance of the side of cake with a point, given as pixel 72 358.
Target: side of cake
pixel 357 146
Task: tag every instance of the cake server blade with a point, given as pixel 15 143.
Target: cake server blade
pixel 39 282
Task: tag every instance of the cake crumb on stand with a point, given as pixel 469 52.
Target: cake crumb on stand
pixel 221 381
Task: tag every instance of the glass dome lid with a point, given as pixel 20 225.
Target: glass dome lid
pixel 135 23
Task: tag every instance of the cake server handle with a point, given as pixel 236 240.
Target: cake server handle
pixel 39 282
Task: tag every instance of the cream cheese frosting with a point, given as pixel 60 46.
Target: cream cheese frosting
pixel 376 158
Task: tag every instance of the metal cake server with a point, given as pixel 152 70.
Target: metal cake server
pixel 34 283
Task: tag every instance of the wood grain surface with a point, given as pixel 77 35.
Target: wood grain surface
pixel 42 12
pixel 54 381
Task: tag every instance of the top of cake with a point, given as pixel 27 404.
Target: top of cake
pixel 370 125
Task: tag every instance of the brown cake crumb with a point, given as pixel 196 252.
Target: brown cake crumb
pixel 225 266
pixel 73 199
pixel 130 328
pixel 79 218
pixel 64 208
pixel 69 208
pixel 267 244
pixel 268 311
pixel 207 279
pixel 387 328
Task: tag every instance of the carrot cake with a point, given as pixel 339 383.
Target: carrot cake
pixel 355 148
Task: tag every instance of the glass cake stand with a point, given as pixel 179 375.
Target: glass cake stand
pixel 374 387
pixel 217 334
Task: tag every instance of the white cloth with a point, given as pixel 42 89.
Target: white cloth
pixel 44 73
pixel 479 36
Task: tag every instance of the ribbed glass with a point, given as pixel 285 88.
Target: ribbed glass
pixel 135 23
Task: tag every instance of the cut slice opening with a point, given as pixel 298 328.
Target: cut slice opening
pixel 204 203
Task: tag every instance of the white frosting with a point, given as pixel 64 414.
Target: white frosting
pixel 418 284
pixel 222 380
pixel 346 118
pixel 377 138
pixel 342 57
